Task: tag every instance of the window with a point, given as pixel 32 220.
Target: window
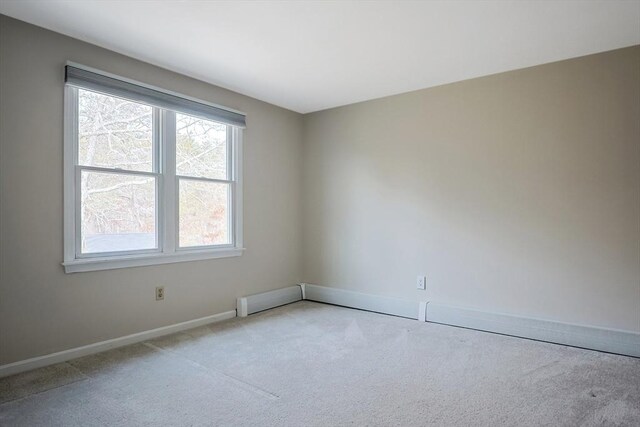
pixel 150 177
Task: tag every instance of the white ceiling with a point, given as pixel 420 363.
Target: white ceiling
pixel 312 55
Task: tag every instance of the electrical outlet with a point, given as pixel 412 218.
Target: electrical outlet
pixel 422 283
pixel 159 293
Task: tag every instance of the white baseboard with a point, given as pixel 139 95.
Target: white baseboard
pixel 266 300
pixel 609 340
pixel 63 356
pixel 369 302
pixel 589 337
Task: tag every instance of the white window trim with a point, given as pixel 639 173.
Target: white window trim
pixel 166 212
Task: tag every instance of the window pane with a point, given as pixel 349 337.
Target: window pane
pixel 114 132
pixel 118 212
pixel 204 213
pixel 201 147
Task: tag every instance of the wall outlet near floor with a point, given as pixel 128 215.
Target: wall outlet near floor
pixel 159 293
pixel 422 283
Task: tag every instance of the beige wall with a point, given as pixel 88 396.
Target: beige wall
pixel 44 310
pixel 515 193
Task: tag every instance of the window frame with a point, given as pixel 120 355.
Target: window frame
pixel 167 198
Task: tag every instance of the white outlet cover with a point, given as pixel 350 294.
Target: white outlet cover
pixel 422 283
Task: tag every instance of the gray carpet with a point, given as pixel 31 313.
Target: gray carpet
pixel 315 364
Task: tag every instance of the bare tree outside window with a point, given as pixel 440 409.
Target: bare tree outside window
pixel 201 151
pixel 118 210
pixel 118 205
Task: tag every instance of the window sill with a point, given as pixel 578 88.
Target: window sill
pixel 95 264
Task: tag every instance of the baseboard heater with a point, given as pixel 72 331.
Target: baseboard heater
pixel 379 304
pixel 369 302
pixel 593 338
pixel 590 337
pixel 259 302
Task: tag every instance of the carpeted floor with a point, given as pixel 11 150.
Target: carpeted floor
pixel 314 364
